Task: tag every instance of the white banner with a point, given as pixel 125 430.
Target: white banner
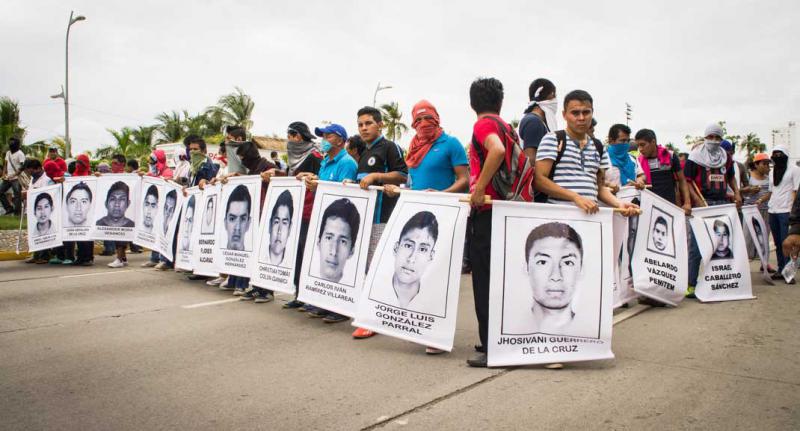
pixel 660 255
pixel 625 229
pixel 80 199
pixel 44 217
pixel 725 274
pixel 237 225
pixel 173 198
pixel 279 234
pixel 552 278
pixel 192 202
pixel 149 207
pixel 204 233
pixel 412 289
pixel 751 217
pixel 114 211
pixel 335 257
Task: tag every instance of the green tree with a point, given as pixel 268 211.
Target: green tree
pixel 670 146
pixel 514 123
pixel 392 121
pixel 170 127
pixel 9 123
pixel 752 144
pixel 234 109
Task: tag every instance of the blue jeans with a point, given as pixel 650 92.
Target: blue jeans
pixel 109 247
pixel 694 251
pixel 155 257
pixel 238 282
pixel 779 225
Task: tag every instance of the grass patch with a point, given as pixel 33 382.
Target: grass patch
pixel 11 222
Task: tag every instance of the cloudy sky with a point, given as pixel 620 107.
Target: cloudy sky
pixel 680 64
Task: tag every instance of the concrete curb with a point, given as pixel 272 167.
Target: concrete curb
pixel 12 255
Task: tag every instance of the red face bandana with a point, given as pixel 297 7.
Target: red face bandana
pixel 426 124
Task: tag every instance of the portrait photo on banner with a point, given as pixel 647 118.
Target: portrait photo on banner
pixel 660 238
pixel 719 232
pixel 150 206
pixel 44 217
pixel 208 224
pixel 282 218
pixel 186 223
pixel 760 239
pixel 238 221
pixel 79 200
pixel 549 286
pixel 413 268
pixel 335 255
pixel 117 206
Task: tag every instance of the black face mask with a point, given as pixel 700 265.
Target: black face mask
pixel 781 162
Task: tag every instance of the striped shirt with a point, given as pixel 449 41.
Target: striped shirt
pixel 577 169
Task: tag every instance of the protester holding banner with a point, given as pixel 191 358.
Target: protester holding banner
pixel 85 255
pixel 757 194
pixel 710 172
pixel 158 168
pixel 382 163
pixel 784 181
pixel 625 168
pixel 662 170
pixel 40 178
pixel 436 160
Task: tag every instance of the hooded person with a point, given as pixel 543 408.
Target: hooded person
pixel 82 166
pixel 625 168
pixel 539 118
pixel 158 165
pixel 783 185
pixel 301 148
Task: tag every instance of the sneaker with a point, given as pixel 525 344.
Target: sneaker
pixel 771 270
pixel 791 281
pixel 317 313
pixel 216 281
pixel 55 261
pixel 293 304
pixel 433 351
pixel 776 276
pixel 266 297
pixel 224 285
pixel 361 333
pixel 305 308
pixel 148 264
pixel 67 262
pixel 238 292
pixel 334 318
pixel 31 260
pixel 554 366
pixel 247 296
pixel 118 263
pixel 85 263
pixel 40 261
pixel 690 292
pixel 477 361
pixel 162 266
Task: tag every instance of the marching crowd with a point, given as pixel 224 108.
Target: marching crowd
pixel 541 163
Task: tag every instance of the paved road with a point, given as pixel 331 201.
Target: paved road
pixel 93 348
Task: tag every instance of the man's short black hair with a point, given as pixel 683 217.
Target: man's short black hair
pixel 371 111
pixel 189 139
pixel 613 132
pixel 152 191
pixel 723 224
pixel 118 186
pixel 133 164
pixel 357 144
pixel 237 132
pixel 578 95
pixel 646 135
pixel 284 200
pixel 486 95
pixel 553 230
pixel 239 194
pixel 80 186
pixel 43 196
pixel 661 220
pixel 194 139
pixel 172 194
pixel 34 164
pixel 544 87
pixel 71 167
pixel 345 210
pixel 273 154
pixel 118 158
pixel 422 220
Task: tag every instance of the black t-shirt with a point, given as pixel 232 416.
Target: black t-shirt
pixel 382 156
pixel 662 177
pixel 531 130
pixel 713 183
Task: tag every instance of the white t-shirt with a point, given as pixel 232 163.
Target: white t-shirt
pixel 14 164
pixel 613 176
pixel 781 199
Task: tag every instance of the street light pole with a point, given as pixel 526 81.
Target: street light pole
pixel 377 89
pixel 65 91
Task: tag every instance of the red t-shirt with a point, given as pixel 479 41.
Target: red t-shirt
pixel 481 130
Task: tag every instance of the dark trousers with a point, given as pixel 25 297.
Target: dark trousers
pixel 480 246
pixel 779 225
pixel 301 246
pixel 85 251
pixel 14 186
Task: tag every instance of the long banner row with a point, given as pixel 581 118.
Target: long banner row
pixel 556 272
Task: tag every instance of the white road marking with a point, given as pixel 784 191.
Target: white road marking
pixel 96 273
pixel 207 304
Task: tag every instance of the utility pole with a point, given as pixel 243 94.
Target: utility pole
pixel 377 89
pixel 628 114
pixel 65 90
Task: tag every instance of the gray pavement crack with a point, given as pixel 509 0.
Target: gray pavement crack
pixel 437 400
pixel 708 370
pixel 110 316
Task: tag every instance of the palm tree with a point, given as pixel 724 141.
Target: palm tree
pixel 144 136
pixel 392 121
pixel 233 109
pixel 752 144
pixel 170 127
pixel 9 123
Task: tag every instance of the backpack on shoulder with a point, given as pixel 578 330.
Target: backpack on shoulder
pixel 514 178
pixel 561 138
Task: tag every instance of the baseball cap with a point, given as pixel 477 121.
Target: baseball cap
pixel 331 128
pixel 760 157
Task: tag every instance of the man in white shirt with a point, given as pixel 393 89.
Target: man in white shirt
pixel 12 167
pixel 784 180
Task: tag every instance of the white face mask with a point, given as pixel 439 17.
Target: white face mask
pixel 550 108
pixel 713 144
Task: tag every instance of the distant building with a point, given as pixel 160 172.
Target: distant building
pixel 788 137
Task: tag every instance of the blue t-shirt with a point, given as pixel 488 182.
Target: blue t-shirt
pixel 342 167
pixel 436 169
pixel 532 129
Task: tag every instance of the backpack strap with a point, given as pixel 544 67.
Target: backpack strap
pixel 561 146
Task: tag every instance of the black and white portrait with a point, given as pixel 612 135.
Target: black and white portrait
pixel 78 205
pixel 279 225
pixel 149 208
pixel 237 219
pixel 207 225
pixel 550 285
pixel 661 238
pixel 43 208
pixel 117 203
pixel 187 222
pixel 760 239
pixel 719 230
pixel 170 201
pixel 334 256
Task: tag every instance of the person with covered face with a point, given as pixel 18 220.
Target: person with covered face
pixel 157 167
pixel 12 168
pixel 709 170
pixel 784 180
